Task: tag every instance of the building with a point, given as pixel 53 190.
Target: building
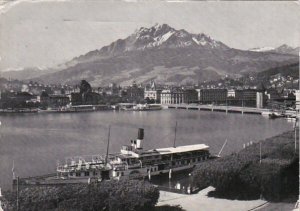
pixel 249 98
pixel 297 100
pixel 231 93
pixel 216 96
pixel 199 94
pixel 112 90
pixel 178 96
pixel 260 100
pixel 151 93
pixel 133 93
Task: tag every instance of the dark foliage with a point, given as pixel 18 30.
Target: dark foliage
pixel 287 70
pixel 121 195
pixel 242 176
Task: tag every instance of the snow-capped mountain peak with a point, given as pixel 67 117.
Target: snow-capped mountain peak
pixel 262 49
pixel 161 36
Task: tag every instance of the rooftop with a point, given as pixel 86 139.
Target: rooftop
pixel 181 149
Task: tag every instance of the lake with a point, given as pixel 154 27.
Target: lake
pixel 35 142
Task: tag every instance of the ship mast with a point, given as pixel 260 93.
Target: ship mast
pixel 174 144
pixel 107 149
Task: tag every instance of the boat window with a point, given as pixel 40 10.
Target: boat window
pixel 122 173
pixel 87 173
pixel 77 174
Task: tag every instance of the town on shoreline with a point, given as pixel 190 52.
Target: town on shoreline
pixel 19 97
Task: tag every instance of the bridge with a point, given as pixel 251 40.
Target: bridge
pixel 219 108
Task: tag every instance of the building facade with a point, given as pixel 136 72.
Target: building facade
pixel 297 93
pixel 178 96
pixel 151 93
pixel 216 96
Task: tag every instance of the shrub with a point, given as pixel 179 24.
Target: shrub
pixel 242 176
pixel 120 195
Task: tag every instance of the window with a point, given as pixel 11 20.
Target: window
pixel 86 173
pixel 77 174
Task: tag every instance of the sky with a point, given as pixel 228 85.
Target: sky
pixel 47 33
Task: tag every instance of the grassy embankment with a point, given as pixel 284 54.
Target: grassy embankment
pixel 241 175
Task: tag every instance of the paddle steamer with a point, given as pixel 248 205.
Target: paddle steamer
pixel 131 162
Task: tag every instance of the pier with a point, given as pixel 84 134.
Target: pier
pixel 219 108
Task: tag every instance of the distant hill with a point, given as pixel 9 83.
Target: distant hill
pixel 285 49
pixel 26 73
pixel 167 55
pixel 287 70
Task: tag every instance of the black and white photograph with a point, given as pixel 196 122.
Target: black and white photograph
pixel 139 105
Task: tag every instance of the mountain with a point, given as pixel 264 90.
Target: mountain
pixel 167 55
pixel 285 49
pixel 262 49
pixel 27 73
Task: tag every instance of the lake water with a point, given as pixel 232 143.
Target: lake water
pixel 36 141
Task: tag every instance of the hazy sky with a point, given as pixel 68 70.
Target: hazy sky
pixel 48 33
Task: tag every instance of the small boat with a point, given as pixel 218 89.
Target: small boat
pixel 266 113
pixel 147 107
pixel 291 118
pixel 275 115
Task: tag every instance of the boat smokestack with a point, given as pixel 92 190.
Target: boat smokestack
pixel 138 143
pixel 141 134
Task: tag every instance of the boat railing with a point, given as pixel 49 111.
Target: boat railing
pixel 77 160
pixel 156 162
pixel 83 167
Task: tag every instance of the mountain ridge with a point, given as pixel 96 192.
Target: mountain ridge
pixel 167 55
pixel 282 49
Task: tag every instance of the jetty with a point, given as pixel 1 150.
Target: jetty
pixel 224 108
